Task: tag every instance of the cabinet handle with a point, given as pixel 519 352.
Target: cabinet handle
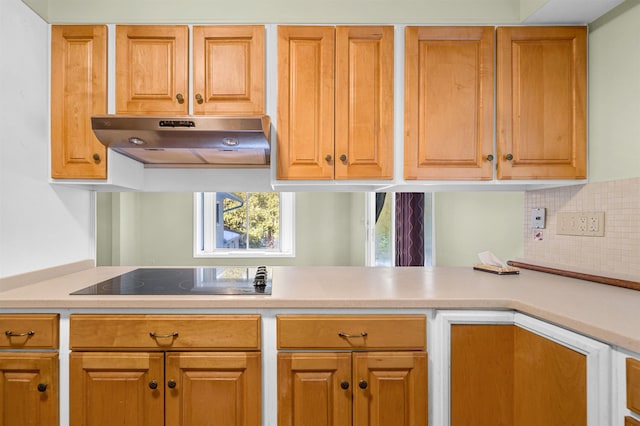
pixel 163 336
pixel 344 385
pixel 362 384
pixel 343 158
pixel 42 387
pixel 199 98
pixel 10 333
pixel 508 157
pixel 153 384
pixel 171 384
pixel 490 157
pixel 348 336
pixel 180 98
pixel 96 157
pixel 328 158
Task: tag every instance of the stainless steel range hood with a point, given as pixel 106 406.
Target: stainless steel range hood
pixel 187 141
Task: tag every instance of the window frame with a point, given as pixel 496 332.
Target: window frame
pixel 204 210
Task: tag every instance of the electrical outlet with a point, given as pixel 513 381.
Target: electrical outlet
pixel 580 223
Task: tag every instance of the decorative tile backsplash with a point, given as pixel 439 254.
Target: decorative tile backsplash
pixel 616 254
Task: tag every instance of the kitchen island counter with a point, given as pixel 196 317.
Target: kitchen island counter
pixel 607 313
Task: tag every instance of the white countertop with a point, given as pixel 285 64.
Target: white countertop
pixel 607 313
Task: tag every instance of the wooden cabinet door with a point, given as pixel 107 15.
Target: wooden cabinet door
pixel 506 375
pixel 482 374
pixel 28 389
pixel 207 388
pixel 305 130
pixel 78 91
pixel 116 389
pixel 449 89
pixel 364 103
pixel 550 382
pixel 228 70
pixel 152 69
pixel 390 388
pixel 541 103
pixel 314 389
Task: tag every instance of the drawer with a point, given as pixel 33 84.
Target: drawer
pixel 26 331
pixel 365 332
pixel 164 332
pixel 633 385
pixel 628 421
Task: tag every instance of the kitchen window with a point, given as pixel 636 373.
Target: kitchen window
pixel 244 224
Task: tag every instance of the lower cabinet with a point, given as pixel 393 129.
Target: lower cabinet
pixel 182 370
pixel 506 368
pixel 29 389
pixel 505 375
pixel 359 388
pixel 173 388
pixel 352 370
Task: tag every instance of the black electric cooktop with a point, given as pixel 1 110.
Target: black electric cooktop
pixel 230 280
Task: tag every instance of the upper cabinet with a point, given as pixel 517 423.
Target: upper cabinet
pixel 78 91
pixel 448 96
pixel 152 63
pixel 229 70
pixel 335 102
pixel 541 102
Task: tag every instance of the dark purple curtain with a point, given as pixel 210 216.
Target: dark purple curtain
pixel 409 229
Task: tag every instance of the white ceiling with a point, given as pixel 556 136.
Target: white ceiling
pixel 571 11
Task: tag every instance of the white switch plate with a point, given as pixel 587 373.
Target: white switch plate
pixel 538 218
pixel 581 223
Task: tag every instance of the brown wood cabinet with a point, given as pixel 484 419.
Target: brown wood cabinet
pixel 449 114
pixel 164 371
pixel 335 102
pixel 78 91
pixel 152 70
pixel 503 374
pixel 29 390
pixel 364 386
pixel 630 421
pixel 633 384
pixel 541 102
pixel 229 70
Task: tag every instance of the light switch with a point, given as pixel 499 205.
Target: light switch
pixel 538 218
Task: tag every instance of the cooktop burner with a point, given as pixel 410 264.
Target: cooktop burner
pixel 231 280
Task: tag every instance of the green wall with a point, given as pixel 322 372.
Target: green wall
pixel 157 229
pixel 614 94
pixel 467 223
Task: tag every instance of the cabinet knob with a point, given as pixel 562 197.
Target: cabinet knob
pixel 42 387
pixel 344 385
pixel 508 157
pixel 96 157
pixel 343 158
pixel 180 98
pixel 153 384
pixel 362 384
pixel 171 384
pixel 490 157
pixel 328 158
pixel 199 98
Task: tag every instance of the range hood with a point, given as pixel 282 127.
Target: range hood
pixel 187 141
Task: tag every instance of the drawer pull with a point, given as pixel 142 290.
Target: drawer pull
pixel 153 385
pixel 362 384
pixel 344 385
pixel 163 336
pixel 172 384
pixel 349 336
pixel 42 387
pixel 10 333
